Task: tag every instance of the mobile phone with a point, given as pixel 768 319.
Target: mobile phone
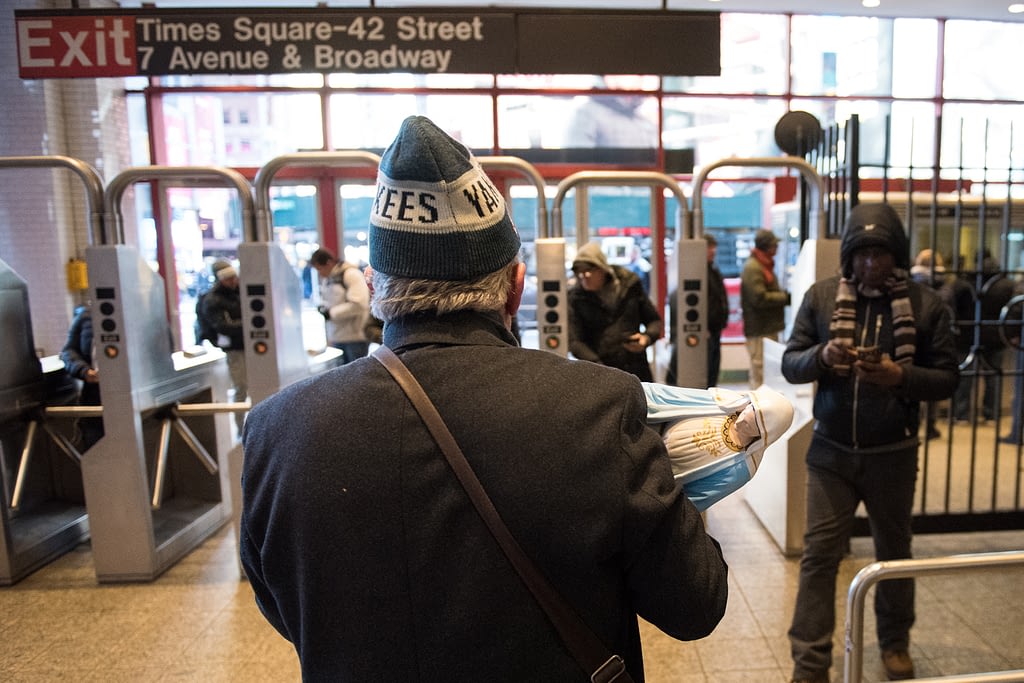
pixel 871 354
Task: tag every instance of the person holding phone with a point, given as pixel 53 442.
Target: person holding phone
pixel 611 319
pixel 878 344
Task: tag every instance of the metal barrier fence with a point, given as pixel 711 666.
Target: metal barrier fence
pixel 901 569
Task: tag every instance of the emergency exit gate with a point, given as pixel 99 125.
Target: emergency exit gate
pixel 42 502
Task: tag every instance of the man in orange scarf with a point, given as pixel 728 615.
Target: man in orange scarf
pixel 764 303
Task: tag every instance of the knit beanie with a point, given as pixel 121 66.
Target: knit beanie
pixel 874 225
pixel 590 254
pixel 436 214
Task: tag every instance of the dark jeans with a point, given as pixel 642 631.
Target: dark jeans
pixel 714 362
pixel 837 481
pixel 714 358
pixel 352 350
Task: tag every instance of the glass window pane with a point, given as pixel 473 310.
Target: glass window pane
pixel 138 129
pixel 715 128
pixel 979 61
pixel 753 58
pixel 627 120
pixel 195 132
pixel 915 57
pixel 984 139
pixel 911 128
pixel 582 129
pixel 362 121
pixel 842 55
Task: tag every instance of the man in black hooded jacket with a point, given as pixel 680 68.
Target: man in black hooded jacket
pixel 866 412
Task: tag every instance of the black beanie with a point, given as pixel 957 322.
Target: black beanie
pixel 874 225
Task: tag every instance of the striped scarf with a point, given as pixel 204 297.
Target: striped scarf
pixel 844 318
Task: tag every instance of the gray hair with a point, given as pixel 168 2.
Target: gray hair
pixel 394 297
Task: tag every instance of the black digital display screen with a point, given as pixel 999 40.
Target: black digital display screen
pixel 256 290
pixel 105 293
pixel 550 285
pixel 691 285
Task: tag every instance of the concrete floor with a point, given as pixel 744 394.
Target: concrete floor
pixel 198 621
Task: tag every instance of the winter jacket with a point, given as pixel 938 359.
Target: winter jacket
pixel 764 303
pixel 366 554
pixel 345 303
pixel 860 415
pixel 221 308
pixel 598 330
pixel 77 354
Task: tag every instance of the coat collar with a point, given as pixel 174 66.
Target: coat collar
pixel 461 328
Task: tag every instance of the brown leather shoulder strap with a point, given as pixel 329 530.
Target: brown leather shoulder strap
pixel 584 645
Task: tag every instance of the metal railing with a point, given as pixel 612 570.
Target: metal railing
pixel 901 569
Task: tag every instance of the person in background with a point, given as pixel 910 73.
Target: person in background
pixel 718 318
pixel 763 301
pixel 1014 330
pixel 996 293
pixel 344 304
pixel 641 267
pixel 611 320
pixel 877 344
pixel 929 270
pixel 366 553
pixel 77 355
pixel 221 312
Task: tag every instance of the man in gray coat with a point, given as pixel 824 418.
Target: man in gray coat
pixel 878 344
pixel 362 547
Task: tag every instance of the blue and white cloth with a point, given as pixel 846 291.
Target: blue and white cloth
pixel 716 437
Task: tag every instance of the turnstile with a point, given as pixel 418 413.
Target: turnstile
pixel 156 486
pixel 157 483
pixel 42 504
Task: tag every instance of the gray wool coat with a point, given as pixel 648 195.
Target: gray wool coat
pixel 366 554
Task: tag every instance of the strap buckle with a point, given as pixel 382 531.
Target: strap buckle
pixel 609 671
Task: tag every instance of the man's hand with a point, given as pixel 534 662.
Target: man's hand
pixel 833 354
pixel 885 372
pixel 638 342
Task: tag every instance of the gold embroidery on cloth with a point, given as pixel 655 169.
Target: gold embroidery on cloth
pixel 709 438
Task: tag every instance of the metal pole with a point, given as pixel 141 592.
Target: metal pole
pixel 901 569
pixel 26 456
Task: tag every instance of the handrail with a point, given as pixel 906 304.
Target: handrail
pixel 617 178
pixel 89 175
pixel 264 177
pixel 810 174
pixel 197 174
pixel 900 569
pixel 527 169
